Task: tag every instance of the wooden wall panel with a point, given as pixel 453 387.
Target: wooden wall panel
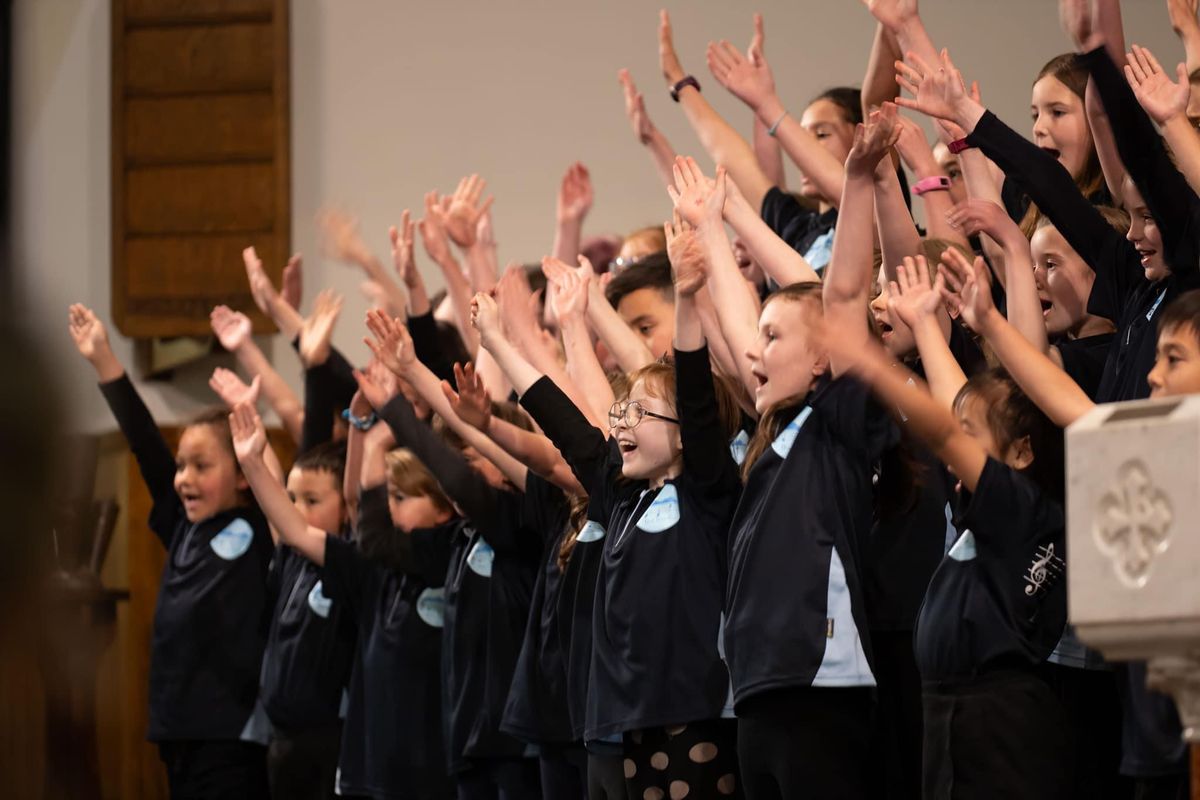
pixel 202 59
pixel 201 158
pixel 202 128
pixel 213 198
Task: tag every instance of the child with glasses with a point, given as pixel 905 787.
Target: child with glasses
pixel 666 485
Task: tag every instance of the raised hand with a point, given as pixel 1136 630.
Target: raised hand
pixel 893 14
pixel 635 109
pixel 249 435
pixel 1162 99
pixel 1183 18
pixel 293 281
pixel 1078 20
pixel 913 147
pixel 340 238
pixel 88 332
pixel 233 390
pixel 392 346
pixel 668 61
pixel 912 296
pixel 317 331
pixel 402 251
pixel 377 385
pixel 517 303
pixel 687 256
pixel 748 79
pixel 433 232
pixel 571 286
pixel 485 318
pixel 464 210
pixel 574 194
pixel 873 140
pixel 937 89
pixel 967 287
pixel 261 288
pixel 471 402
pixel 698 199
pixel 983 216
pixel 231 327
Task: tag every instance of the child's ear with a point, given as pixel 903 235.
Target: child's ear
pixel 821 365
pixel 1020 454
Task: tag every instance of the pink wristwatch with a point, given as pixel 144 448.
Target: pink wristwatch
pixel 934 183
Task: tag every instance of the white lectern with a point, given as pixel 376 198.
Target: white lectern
pixel 1133 541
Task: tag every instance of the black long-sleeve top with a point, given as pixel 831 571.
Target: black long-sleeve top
pixel 328 388
pixel 488 591
pixel 662 582
pixel 210 620
pixel 428 347
pixel 1126 296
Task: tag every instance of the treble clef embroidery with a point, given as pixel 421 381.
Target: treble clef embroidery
pixel 1046 565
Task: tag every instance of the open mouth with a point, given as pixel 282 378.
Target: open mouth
pixel 626 447
pixel 885 330
pixel 1056 153
pixel 1046 306
pixel 1146 255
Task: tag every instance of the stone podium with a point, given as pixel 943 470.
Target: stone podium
pixel 1133 541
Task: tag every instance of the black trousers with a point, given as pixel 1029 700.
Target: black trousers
pixel 500 779
pixel 563 771
pixel 302 764
pixel 1094 711
pixel 215 770
pixel 605 777
pixel 1000 736
pixel 806 742
pixel 896 739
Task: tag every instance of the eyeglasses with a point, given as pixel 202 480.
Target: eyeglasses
pixel 620 263
pixel 632 414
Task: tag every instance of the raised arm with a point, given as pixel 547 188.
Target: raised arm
pixel 918 156
pixel 572 287
pixel 1046 384
pixel 1023 306
pixel 766 147
pixel 154 458
pixel 575 196
pixel 1166 103
pixel 879 84
pixel 903 20
pixel 626 346
pixel 1187 28
pixel 778 259
pixel 695 197
pixel 232 329
pixel 847 284
pixel 405 262
pixel 437 246
pixel 268 299
pixel 580 443
pixel 342 242
pixel 722 143
pixel 918 303
pixel 251 447
pixel 393 347
pixel 473 405
pixel 751 82
pixel 644 129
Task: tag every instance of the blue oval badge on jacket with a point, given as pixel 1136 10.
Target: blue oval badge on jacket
pixel 480 559
pixel 233 541
pixel 318 602
pixel 431 607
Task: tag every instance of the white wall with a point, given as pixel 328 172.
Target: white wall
pixel 391 99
